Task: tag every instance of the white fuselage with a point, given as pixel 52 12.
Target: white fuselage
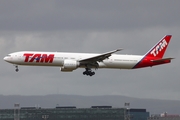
pixel 114 61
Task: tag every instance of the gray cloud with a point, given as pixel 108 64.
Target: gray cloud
pixel 87 15
pixel 89 26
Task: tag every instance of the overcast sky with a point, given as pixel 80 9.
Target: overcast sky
pixel 95 26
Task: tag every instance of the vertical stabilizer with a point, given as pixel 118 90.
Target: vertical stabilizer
pixel 155 54
pixel 159 49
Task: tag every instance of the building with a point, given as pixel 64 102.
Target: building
pixel 138 114
pixel 69 113
pixel 164 116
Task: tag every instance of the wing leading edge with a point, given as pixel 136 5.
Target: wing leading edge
pixel 100 57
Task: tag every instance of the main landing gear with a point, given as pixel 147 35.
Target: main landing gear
pixel 88 72
pixel 16 68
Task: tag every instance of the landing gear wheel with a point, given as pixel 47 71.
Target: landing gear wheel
pixel 93 73
pixel 84 73
pixel 16 68
pixel 88 72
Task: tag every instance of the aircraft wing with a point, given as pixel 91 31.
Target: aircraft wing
pixel 99 58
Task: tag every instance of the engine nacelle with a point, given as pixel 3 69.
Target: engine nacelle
pixel 69 65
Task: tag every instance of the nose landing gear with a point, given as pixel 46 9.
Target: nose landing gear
pixel 16 68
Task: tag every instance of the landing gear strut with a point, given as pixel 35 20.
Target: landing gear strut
pixel 16 68
pixel 88 72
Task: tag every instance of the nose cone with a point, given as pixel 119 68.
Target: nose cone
pixel 5 58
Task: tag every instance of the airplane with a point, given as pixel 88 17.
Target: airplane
pixel 71 61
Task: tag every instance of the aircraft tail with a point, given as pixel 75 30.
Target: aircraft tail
pixel 159 49
pixel 155 55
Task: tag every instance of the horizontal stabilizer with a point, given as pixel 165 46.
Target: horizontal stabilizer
pixel 161 60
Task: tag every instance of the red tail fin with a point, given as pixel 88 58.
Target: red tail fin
pixel 155 54
pixel 159 49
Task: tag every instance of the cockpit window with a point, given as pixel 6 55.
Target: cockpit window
pixel 8 55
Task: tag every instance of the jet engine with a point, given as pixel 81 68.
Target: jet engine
pixel 69 65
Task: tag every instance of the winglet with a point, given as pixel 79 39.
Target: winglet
pixel 119 49
pixel 111 52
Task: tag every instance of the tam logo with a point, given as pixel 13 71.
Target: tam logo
pixel 40 58
pixel 159 48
